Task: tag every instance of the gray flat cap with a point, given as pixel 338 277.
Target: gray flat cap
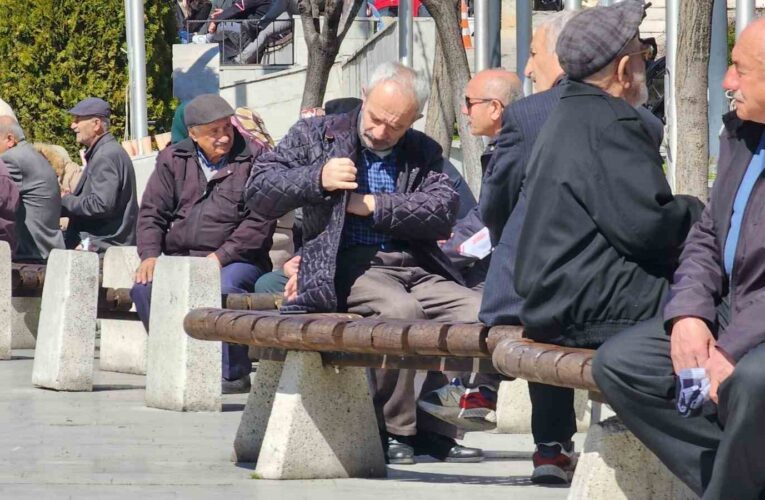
pixel 91 106
pixel 593 38
pixel 206 108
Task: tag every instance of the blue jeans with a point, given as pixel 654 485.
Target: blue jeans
pixel 238 277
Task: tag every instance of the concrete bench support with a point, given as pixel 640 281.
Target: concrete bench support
pixel 6 337
pixel 123 342
pixel 252 427
pixel 67 330
pixel 615 465
pixel 25 316
pixel 514 408
pixel 182 373
pixel 322 424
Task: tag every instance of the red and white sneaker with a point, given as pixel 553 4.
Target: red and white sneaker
pixel 554 463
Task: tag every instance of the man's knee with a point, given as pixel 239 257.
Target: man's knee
pixel 606 362
pixel 748 380
pixel 141 292
pixel 396 306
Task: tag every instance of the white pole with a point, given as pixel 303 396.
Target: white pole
pixel 744 15
pixel 137 65
pixel 572 4
pixel 482 36
pixel 405 32
pixel 523 40
pixel 670 108
pixel 718 64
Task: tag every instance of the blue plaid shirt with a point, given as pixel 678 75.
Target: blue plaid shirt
pixel 376 175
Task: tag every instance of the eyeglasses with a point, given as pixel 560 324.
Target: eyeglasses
pixel 472 101
pixel 648 52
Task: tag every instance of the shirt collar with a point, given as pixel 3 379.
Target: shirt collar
pixel 204 161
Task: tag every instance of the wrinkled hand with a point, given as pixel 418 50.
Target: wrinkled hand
pixel 291 288
pixel 292 266
pixel 361 204
pixel 338 173
pixel 145 272
pixel 214 257
pixel 692 343
pixel 719 367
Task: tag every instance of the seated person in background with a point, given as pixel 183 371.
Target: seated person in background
pixel 375 201
pixel 67 172
pixel 191 15
pixel 9 203
pixel 103 207
pixel 37 219
pixel 235 40
pixel 193 205
pixel 276 23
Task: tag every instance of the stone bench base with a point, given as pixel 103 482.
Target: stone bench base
pixel 6 337
pixel 614 465
pixel 304 420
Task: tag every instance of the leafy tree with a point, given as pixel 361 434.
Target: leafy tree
pixel 56 52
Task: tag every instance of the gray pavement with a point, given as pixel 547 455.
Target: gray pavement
pixel 107 444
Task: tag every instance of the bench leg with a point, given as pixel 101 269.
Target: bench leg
pixel 252 427
pixel 615 465
pixel 322 425
pixel 182 373
pixel 6 338
pixel 123 346
pixel 24 320
pixel 514 408
pixel 66 335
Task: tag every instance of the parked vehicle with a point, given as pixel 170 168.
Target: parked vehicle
pixel 390 8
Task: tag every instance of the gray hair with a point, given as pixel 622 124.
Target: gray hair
pixel 554 24
pixel 105 122
pixel 409 79
pixel 9 125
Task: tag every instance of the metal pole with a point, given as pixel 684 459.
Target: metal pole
pixel 405 32
pixel 670 108
pixel 482 36
pixel 495 34
pixel 137 57
pixel 718 63
pixel 606 3
pixel 744 15
pixel 523 40
pixel 572 4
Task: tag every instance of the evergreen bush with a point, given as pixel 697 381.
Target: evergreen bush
pixel 56 52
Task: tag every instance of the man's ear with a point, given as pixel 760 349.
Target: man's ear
pixel 623 72
pixel 363 94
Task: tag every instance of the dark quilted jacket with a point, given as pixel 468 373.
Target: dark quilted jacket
pixel 421 212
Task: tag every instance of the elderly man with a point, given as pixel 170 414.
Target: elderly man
pixel 375 202
pixel 9 203
pixel 102 209
pixel 38 217
pixel 193 205
pixel 602 230
pixel 714 322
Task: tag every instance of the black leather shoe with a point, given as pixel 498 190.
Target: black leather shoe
pixel 237 386
pixel 399 451
pixel 446 449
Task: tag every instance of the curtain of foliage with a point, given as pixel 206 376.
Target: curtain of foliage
pixel 56 52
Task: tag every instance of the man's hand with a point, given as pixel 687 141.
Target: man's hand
pixel 145 273
pixel 291 288
pixel 214 257
pixel 361 204
pixel 338 173
pixel 719 367
pixel 692 343
pixel 213 27
pixel 292 266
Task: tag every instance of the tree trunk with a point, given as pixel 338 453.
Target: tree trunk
pixel 446 14
pixel 439 123
pixel 323 43
pixel 692 66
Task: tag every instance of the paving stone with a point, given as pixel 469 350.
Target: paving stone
pixel 67 331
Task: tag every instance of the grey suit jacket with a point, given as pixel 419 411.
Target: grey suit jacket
pixel 37 219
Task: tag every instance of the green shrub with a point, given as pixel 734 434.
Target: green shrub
pixel 56 52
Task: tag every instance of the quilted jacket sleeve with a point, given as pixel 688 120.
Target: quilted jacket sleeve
pixel 289 176
pixel 428 213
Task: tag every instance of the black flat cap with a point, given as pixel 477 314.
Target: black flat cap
pixel 594 37
pixel 91 106
pixel 206 108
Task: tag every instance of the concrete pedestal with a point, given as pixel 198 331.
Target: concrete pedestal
pixel 67 331
pixel 252 428
pixel 322 424
pixel 182 373
pixel 25 316
pixel 5 301
pixel 514 408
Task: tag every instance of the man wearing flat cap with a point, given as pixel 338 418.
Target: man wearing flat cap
pixel 103 207
pixel 193 205
pixel 602 232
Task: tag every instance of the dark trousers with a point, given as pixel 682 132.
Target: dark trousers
pixel 238 277
pixel 721 453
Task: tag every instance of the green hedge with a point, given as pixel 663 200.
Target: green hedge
pixel 55 52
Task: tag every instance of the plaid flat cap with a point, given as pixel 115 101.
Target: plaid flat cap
pixel 594 37
pixel 206 108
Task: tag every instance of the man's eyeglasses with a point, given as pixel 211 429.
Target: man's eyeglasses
pixel 472 101
pixel 648 52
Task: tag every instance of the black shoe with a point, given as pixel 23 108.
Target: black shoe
pixel 236 386
pixel 399 450
pixel 445 449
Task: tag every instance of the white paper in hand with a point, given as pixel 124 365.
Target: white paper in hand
pixel 478 245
